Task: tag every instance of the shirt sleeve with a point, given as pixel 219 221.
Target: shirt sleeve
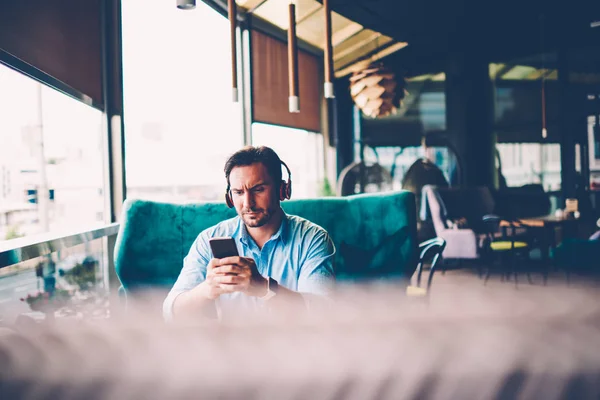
pixel 316 274
pixel 192 274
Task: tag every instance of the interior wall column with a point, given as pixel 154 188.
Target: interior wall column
pixel 112 86
pixel 343 125
pixel 112 77
pixel 469 117
pixel 567 132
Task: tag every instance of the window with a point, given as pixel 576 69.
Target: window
pixel 78 274
pixel 301 150
pixel 180 121
pixel 526 163
pixel 397 160
pixel 51 159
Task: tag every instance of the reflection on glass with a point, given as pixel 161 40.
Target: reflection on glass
pixel 69 283
pixel 51 159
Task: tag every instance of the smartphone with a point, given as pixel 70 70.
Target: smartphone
pixel 223 247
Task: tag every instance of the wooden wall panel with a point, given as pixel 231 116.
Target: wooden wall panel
pixel 62 38
pixel 270 85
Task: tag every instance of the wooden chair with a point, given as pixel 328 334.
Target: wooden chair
pixel 429 249
pixel 504 244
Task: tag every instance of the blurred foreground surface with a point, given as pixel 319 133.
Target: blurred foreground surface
pixel 467 341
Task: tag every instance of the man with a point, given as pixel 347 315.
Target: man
pixel 282 258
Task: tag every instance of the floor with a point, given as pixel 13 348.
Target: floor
pixel 460 292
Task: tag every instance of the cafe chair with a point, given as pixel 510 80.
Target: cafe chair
pixel 430 249
pixel 579 255
pixel 501 242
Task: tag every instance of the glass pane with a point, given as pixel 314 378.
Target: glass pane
pixel 593 125
pixel 180 120
pixel 302 151
pixel 423 110
pixel 594 150
pixel 51 159
pixel 70 283
pixel 398 160
pixel 527 163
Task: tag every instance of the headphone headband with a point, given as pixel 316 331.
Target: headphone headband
pixel 287 169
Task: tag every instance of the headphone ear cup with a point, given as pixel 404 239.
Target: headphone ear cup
pixel 288 189
pixel 282 191
pixel 228 200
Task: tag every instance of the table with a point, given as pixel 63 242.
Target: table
pixel 545 232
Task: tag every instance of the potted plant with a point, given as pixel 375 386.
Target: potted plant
pixel 46 302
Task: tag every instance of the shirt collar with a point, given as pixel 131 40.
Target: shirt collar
pixel 282 232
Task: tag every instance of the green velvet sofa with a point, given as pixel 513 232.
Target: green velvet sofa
pixel 374 234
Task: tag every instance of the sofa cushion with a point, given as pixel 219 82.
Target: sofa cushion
pixel 578 255
pixel 373 261
pixel 155 237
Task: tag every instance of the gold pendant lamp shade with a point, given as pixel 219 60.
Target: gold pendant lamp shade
pixel 377 91
pixel 328 85
pixel 294 100
pixel 232 11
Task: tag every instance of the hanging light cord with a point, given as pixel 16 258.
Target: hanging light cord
pixel 544 131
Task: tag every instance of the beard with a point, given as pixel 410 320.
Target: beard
pixel 255 218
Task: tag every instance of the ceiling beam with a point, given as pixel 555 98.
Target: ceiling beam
pixel 250 5
pixel 357 66
pixel 354 43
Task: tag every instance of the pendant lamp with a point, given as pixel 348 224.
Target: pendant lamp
pixel 231 7
pixel 328 85
pixel 377 91
pixel 294 99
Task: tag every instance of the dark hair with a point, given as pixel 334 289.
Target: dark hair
pixel 250 155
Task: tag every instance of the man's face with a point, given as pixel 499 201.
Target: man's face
pixel 254 194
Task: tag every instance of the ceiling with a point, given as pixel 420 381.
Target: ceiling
pixel 420 35
pixel 502 31
pixel 354 45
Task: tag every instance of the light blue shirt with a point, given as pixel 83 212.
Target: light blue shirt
pixel 299 256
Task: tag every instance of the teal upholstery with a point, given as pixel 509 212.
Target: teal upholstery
pixel 578 255
pixel 374 234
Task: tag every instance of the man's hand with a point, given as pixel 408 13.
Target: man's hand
pixel 225 275
pixel 211 287
pixel 235 274
pixel 229 275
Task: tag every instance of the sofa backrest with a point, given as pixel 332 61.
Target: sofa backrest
pixel 522 202
pixel 374 234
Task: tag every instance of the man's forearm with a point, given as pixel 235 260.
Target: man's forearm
pixel 285 294
pixel 286 299
pixel 193 302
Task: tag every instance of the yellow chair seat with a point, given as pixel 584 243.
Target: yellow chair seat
pixel 415 291
pixel 507 245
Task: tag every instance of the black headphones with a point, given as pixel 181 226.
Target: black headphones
pixel 285 189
